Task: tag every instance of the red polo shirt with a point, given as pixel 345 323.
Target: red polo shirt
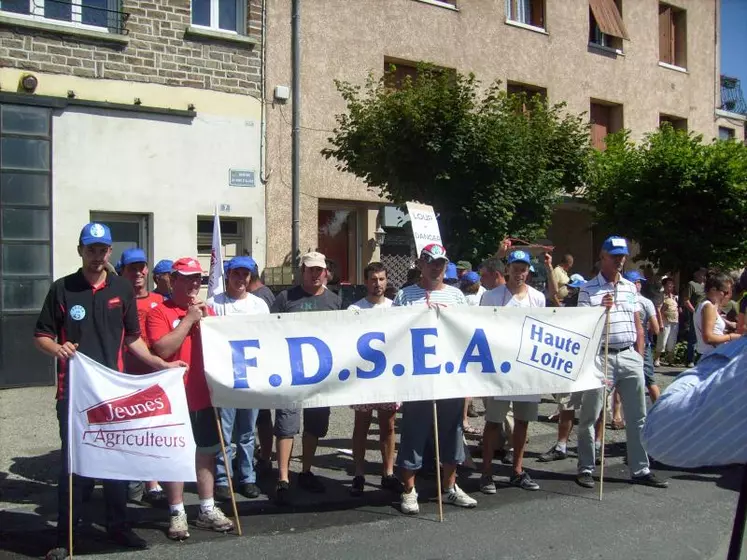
pixel 144 306
pixel 163 319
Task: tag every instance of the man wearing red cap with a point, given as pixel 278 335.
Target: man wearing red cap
pixel 174 330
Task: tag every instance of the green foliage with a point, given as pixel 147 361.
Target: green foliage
pixel 683 201
pixel 490 164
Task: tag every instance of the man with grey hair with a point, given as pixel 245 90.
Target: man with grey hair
pixel 492 273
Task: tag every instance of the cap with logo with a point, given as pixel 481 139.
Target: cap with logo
pixel 464 265
pixel 451 272
pixel 95 233
pixel 576 281
pixel 519 256
pixel 433 252
pixel 134 255
pixel 615 246
pixel 470 277
pixel 312 259
pixel 634 276
pixel 163 266
pixel 242 262
pixel 186 266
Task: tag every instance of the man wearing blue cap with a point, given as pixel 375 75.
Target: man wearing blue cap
pixel 625 335
pixel 94 311
pixel 162 277
pixel 515 293
pixel 237 300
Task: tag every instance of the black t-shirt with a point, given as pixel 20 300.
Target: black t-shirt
pixel 264 293
pixel 97 320
pixel 296 300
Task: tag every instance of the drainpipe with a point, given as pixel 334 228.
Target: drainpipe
pixel 263 100
pixel 296 131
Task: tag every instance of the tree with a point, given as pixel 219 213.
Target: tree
pixel 491 164
pixel 683 201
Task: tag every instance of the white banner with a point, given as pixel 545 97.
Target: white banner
pixel 129 427
pixel 216 281
pixel 424 225
pixel 333 358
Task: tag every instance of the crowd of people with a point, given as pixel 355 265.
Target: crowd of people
pixel 107 315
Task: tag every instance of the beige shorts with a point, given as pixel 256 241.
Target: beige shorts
pixel 568 401
pixel 496 411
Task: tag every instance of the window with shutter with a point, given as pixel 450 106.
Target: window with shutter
pixel 606 118
pixel 672 36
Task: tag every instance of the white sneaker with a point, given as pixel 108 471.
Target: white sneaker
pixel 178 527
pixel 657 363
pixel 458 497
pixel 409 502
pixel 215 520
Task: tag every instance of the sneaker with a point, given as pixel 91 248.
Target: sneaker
pixel 358 484
pixel 128 539
pixel 458 497
pixel 554 454
pixel 311 483
pixel 487 486
pixel 282 493
pixel 657 363
pixel 222 494
pixel 178 527
pixel 508 457
pixel 250 490
pixel 409 502
pixel 523 481
pixel 650 479
pixel 59 553
pixel 392 483
pixel 214 519
pixel 690 365
pixel 155 497
pixel 585 479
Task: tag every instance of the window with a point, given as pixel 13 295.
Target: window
pixel 128 231
pixel 233 235
pixel 528 12
pixel 677 123
pixel 515 88
pixel 83 13
pixel 223 15
pixel 672 36
pixel 338 240
pixel 606 26
pixel 396 72
pixel 25 239
pixel 606 118
pixel 725 133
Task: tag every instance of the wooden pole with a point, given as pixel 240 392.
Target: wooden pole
pixel 438 465
pixel 227 466
pixel 69 503
pixel 604 400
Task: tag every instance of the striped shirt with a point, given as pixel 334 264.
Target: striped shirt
pixel 700 419
pixel 622 315
pixel 415 295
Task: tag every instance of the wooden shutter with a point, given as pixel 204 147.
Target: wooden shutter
pixel 537 13
pixel 608 18
pixel 666 37
pixel 600 125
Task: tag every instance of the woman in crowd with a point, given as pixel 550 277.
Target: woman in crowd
pixel 709 325
pixel 670 315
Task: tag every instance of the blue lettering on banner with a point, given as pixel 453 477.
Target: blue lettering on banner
pixel 241 362
pixel 484 357
pixel 551 349
pixel 420 351
pixel 376 357
pixel 295 353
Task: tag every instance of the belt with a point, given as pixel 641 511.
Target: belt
pixel 618 350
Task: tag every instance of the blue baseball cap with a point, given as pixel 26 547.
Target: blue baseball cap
pixel 163 266
pixel 576 281
pixel 242 262
pixel 95 233
pixel 634 276
pixel 615 246
pixel 134 255
pixel 519 256
pixel 470 277
pixel 451 272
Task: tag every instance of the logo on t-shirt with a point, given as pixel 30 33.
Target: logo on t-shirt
pixel 153 304
pixel 114 302
pixel 77 312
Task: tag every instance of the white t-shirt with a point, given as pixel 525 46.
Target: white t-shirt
pixel 474 299
pixel 365 304
pixel 718 328
pixel 502 297
pixel 249 305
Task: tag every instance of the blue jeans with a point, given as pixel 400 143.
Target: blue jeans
pixel 243 421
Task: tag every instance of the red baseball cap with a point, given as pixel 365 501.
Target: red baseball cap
pixel 187 266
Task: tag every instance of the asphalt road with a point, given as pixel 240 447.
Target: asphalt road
pixel 690 520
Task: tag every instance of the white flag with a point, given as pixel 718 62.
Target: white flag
pixel 129 427
pixel 216 281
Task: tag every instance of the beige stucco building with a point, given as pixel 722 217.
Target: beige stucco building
pixel 664 65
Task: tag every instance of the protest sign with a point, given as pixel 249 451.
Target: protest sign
pixel 424 225
pixel 334 358
pixel 129 427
